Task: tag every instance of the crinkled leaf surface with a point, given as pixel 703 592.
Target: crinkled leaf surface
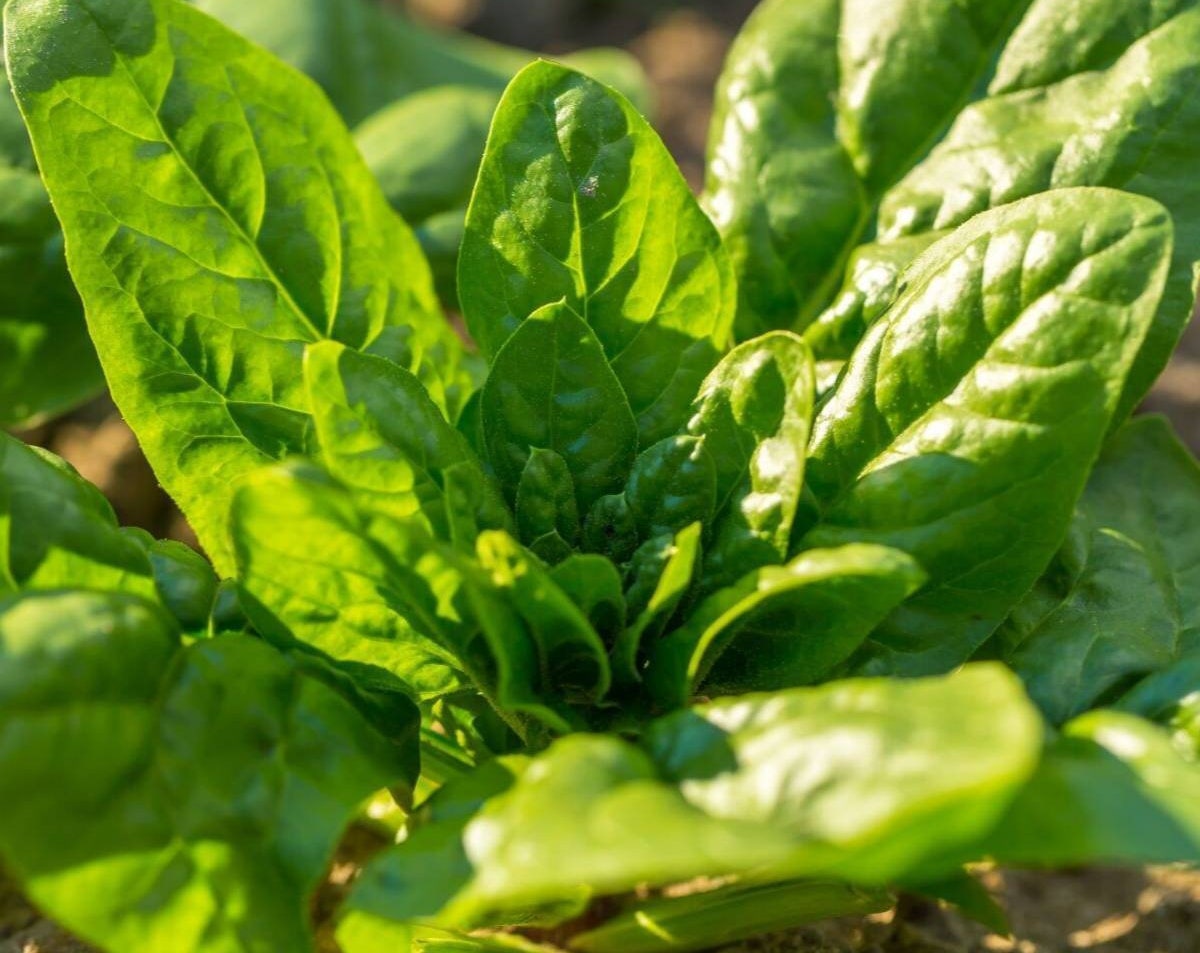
pixel 579 201
pixel 1122 597
pixel 849 780
pixel 822 106
pixel 185 798
pixel 217 218
pixel 963 429
pixel 362 594
pixel 903 118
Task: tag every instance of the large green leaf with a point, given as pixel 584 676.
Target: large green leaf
pixel 579 201
pixel 850 781
pixel 822 106
pixel 1112 789
pixel 964 427
pixel 365 593
pixel 156 798
pixel 918 116
pixel 217 218
pixel 782 626
pixel 1122 597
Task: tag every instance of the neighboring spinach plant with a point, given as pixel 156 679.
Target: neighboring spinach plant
pixel 614 590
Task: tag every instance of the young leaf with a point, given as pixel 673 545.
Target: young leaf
pixel 594 585
pixel 754 412
pixel 963 429
pixel 843 781
pixel 1131 797
pixel 381 434
pixel 217 218
pixel 822 106
pixel 552 388
pixel 782 626
pixel 660 575
pixel 171 810
pixel 579 201
pixel 546 510
pixel 1122 597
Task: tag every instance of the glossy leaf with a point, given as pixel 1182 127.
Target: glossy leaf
pixel 754 412
pixel 1131 796
pixel 217 218
pixel 1122 598
pixel 1171 697
pixel 579 201
pixel 782 626
pixel 184 814
pixel 552 388
pixel 970 415
pixel 822 106
pixel 759 785
pixel 594 585
pixel 672 485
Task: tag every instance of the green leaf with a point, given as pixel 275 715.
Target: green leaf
pixel 547 513
pixel 552 388
pixel 381 434
pixel 173 811
pixel 970 415
pixel 186 584
pixel 782 626
pixel 846 781
pixel 1129 795
pixel 372 591
pixel 579 201
pixel 833 124
pixel 58 531
pixel 754 412
pixel 821 107
pixel 572 657
pixel 1122 597
pixel 660 574
pixel 594 585
pixel 217 219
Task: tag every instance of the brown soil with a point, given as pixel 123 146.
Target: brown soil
pixel 681 45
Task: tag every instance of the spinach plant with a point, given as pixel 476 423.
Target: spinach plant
pixel 633 603
pixel 419 102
